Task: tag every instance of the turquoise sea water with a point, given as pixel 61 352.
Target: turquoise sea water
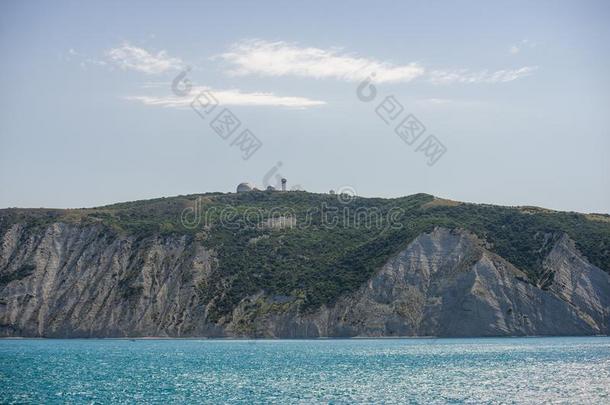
pixel 506 370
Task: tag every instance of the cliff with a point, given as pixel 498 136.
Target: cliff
pixel 448 270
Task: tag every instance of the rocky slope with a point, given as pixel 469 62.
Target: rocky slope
pixel 71 281
pixel 446 284
pixel 66 279
pixel 443 284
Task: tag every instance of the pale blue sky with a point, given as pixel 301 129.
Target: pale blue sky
pixel 518 92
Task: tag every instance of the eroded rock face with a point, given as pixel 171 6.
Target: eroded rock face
pixel 584 287
pixel 81 281
pixel 447 284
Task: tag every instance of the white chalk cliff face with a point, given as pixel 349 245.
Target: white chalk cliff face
pixel 77 281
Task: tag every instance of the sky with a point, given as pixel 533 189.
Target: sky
pixel 491 102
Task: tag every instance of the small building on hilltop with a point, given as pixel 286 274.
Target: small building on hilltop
pixel 245 187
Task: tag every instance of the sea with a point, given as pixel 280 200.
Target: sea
pixel 333 371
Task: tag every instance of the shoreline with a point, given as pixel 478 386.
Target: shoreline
pixel 299 339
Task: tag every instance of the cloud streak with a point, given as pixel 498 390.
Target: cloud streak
pixel 231 97
pixel 264 58
pixel 129 57
pixel 258 57
pixel 524 43
pixel 484 76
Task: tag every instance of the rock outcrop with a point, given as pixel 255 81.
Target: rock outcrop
pixel 446 283
pixel 81 281
pixel 72 281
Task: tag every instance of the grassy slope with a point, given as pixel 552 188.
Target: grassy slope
pixel 318 263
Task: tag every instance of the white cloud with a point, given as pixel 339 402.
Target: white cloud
pixel 229 98
pixel 435 101
pixel 259 57
pixel 524 43
pixel 284 59
pixel 484 76
pixel 82 59
pixel 129 57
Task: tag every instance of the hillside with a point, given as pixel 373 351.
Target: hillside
pixel 275 264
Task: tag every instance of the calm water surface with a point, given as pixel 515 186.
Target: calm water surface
pixel 506 370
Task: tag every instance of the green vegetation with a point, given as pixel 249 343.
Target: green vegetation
pixel 334 247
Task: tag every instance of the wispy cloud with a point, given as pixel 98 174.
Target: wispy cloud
pixel 484 76
pixel 264 58
pixel 84 61
pixel 435 101
pixel 129 57
pixel 231 97
pixel 524 43
pixel 286 59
